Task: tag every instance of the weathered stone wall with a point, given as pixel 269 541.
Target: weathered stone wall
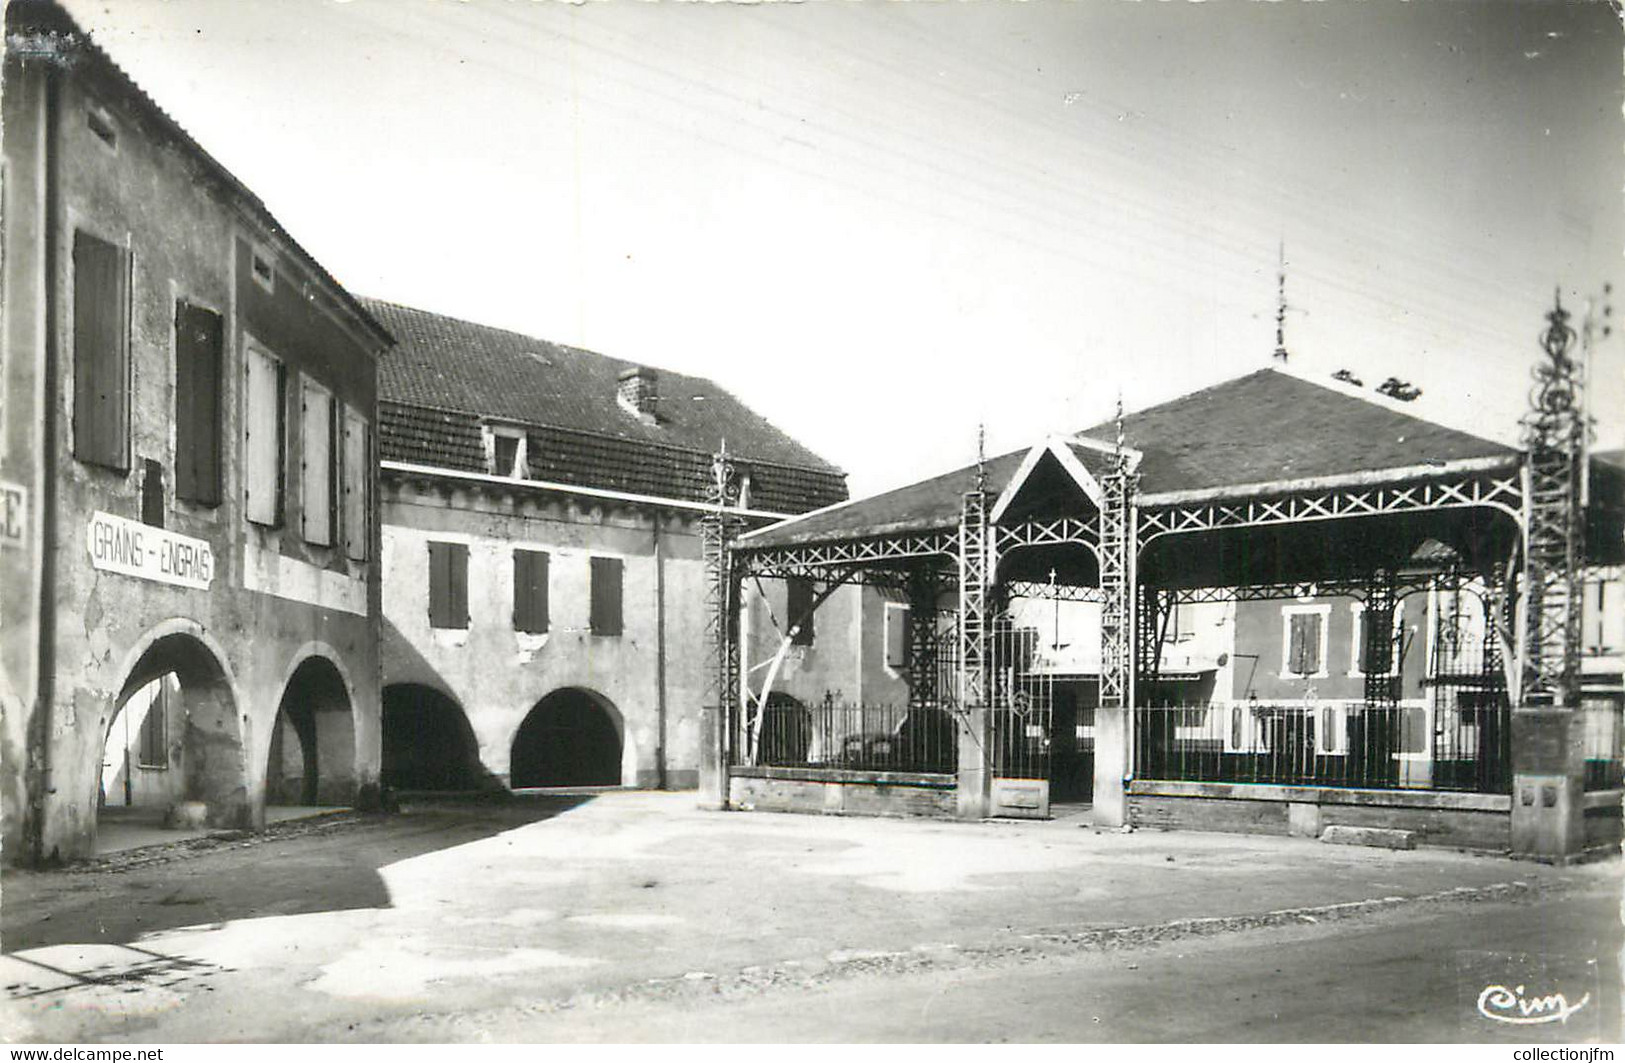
pixel 879 796
pixel 498 675
pixel 184 233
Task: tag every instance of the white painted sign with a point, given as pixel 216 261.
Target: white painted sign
pixel 135 549
pixel 13 516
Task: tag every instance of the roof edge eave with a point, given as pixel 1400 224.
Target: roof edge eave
pixel 1368 478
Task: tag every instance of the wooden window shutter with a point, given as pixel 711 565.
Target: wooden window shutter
pixel 357 486
pixel 459 585
pixel 798 604
pixel 316 464
pixel 606 596
pixel 262 437
pixel 897 620
pixel 198 351
pixel 448 585
pixel 101 352
pixel 439 585
pixel 530 591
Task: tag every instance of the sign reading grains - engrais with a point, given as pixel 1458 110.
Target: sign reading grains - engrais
pixel 134 549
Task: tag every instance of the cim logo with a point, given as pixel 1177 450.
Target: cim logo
pixel 1498 1003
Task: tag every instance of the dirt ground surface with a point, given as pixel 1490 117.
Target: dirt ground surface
pixel 634 916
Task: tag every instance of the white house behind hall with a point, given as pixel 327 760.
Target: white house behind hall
pixel 544 598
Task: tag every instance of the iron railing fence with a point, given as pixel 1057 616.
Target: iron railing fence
pixel 859 736
pixel 1463 746
pixel 1604 742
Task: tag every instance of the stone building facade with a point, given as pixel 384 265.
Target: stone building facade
pixel 544 592
pixel 186 449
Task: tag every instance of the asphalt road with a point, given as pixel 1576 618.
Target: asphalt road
pixel 636 917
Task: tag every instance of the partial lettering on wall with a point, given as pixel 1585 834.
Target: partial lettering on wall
pixel 134 549
pixel 13 516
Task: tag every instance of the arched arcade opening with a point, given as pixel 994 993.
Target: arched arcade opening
pixel 312 748
pixel 173 738
pixel 573 737
pixel 428 742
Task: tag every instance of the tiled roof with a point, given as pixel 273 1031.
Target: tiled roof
pixel 42 30
pixel 445 363
pixel 446 377
pixel 1270 426
pixel 1266 427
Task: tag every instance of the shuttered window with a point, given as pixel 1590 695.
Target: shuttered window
pixel 530 591
pixel 1304 643
pixel 606 596
pixel 799 606
pixel 316 464
pixel 101 352
pixel 448 585
pixel 357 485
pixel 198 349
pixel 897 621
pixel 263 427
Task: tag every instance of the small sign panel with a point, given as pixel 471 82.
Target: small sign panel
pixel 135 549
pixel 13 516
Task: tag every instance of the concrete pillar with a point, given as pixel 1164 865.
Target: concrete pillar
pixel 713 770
pixel 1110 807
pixel 974 792
pixel 1548 783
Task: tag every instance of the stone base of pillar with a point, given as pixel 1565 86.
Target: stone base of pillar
pixel 974 794
pixel 713 770
pixel 1548 784
pixel 1110 803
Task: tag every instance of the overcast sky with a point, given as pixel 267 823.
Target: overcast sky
pixel 881 223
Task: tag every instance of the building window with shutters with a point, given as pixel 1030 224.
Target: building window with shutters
pixel 101 352
pixel 357 485
pixel 448 585
pixel 1360 651
pixel 799 607
pixel 316 452
pixel 605 618
pixel 198 352
pixel 530 591
pixel 264 429
pixel 1303 641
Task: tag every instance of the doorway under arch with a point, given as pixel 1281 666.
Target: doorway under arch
pixel 312 749
pixel 428 742
pixel 573 737
pixel 174 737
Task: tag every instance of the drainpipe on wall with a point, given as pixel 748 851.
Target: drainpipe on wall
pixel 660 657
pixel 45 683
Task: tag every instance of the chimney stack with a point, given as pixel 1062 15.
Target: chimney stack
pixel 638 391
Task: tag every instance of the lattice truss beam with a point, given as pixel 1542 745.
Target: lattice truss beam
pixel 1502 491
pixel 1061 530
pixel 1117 555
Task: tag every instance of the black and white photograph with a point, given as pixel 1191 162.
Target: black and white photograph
pixel 872 522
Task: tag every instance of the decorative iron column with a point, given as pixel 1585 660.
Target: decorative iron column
pixel 718 527
pixel 975 777
pixel 1554 434
pixel 1548 736
pixel 1380 727
pixel 923 639
pixel 1119 549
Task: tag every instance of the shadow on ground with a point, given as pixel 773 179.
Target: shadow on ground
pixel 328 867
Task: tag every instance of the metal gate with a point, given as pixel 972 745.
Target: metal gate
pixel 1466 703
pixel 1021 698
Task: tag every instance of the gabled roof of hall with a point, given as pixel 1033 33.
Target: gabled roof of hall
pixel 1244 434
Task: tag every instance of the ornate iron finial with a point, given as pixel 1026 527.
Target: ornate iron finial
pixel 722 475
pixel 1280 306
pixel 1122 434
pixel 1554 399
pixel 981 456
